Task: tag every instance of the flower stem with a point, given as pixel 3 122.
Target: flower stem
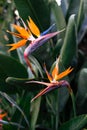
pixel 73 100
pixel 57 111
pixel 73 103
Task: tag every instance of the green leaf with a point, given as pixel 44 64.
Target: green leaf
pixel 82 91
pixel 10 67
pixel 82 83
pixel 35 107
pixel 73 8
pixel 38 10
pixel 58 14
pixel 68 50
pixel 85 7
pixel 76 123
pixel 80 14
pixel 59 17
pixel 22 84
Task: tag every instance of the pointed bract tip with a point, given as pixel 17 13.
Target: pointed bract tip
pixel 62 30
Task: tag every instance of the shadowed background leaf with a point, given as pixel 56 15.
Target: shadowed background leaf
pixel 39 11
pixel 10 67
pixel 76 123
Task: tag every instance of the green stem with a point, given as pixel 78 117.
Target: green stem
pixel 73 103
pixel 57 112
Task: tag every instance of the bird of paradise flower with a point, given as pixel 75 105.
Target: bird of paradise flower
pixel 2 115
pixel 27 33
pixel 53 78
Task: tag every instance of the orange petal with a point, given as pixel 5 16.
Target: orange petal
pixel 15 34
pixel 48 75
pixel 17 45
pixel 34 29
pixel 22 31
pixel 2 116
pixel 63 74
pixel 55 70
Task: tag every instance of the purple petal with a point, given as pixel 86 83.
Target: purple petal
pixel 39 42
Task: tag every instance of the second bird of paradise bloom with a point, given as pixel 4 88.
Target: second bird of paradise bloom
pixel 27 33
pixel 53 78
pixel 1 118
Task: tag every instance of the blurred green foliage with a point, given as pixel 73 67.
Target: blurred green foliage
pixel 54 110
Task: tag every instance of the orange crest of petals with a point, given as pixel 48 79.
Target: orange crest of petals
pixel 55 73
pixel 64 73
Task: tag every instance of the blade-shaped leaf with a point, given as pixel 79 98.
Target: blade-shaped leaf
pixel 35 106
pixel 82 91
pixel 85 7
pixel 59 17
pixel 80 14
pixel 73 8
pixel 23 84
pixel 76 123
pixel 68 50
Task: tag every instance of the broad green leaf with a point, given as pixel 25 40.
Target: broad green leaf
pixel 82 91
pixel 82 83
pixel 22 83
pixel 38 10
pixel 76 123
pixel 69 47
pixel 10 67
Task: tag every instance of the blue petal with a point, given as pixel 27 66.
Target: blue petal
pixel 48 30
